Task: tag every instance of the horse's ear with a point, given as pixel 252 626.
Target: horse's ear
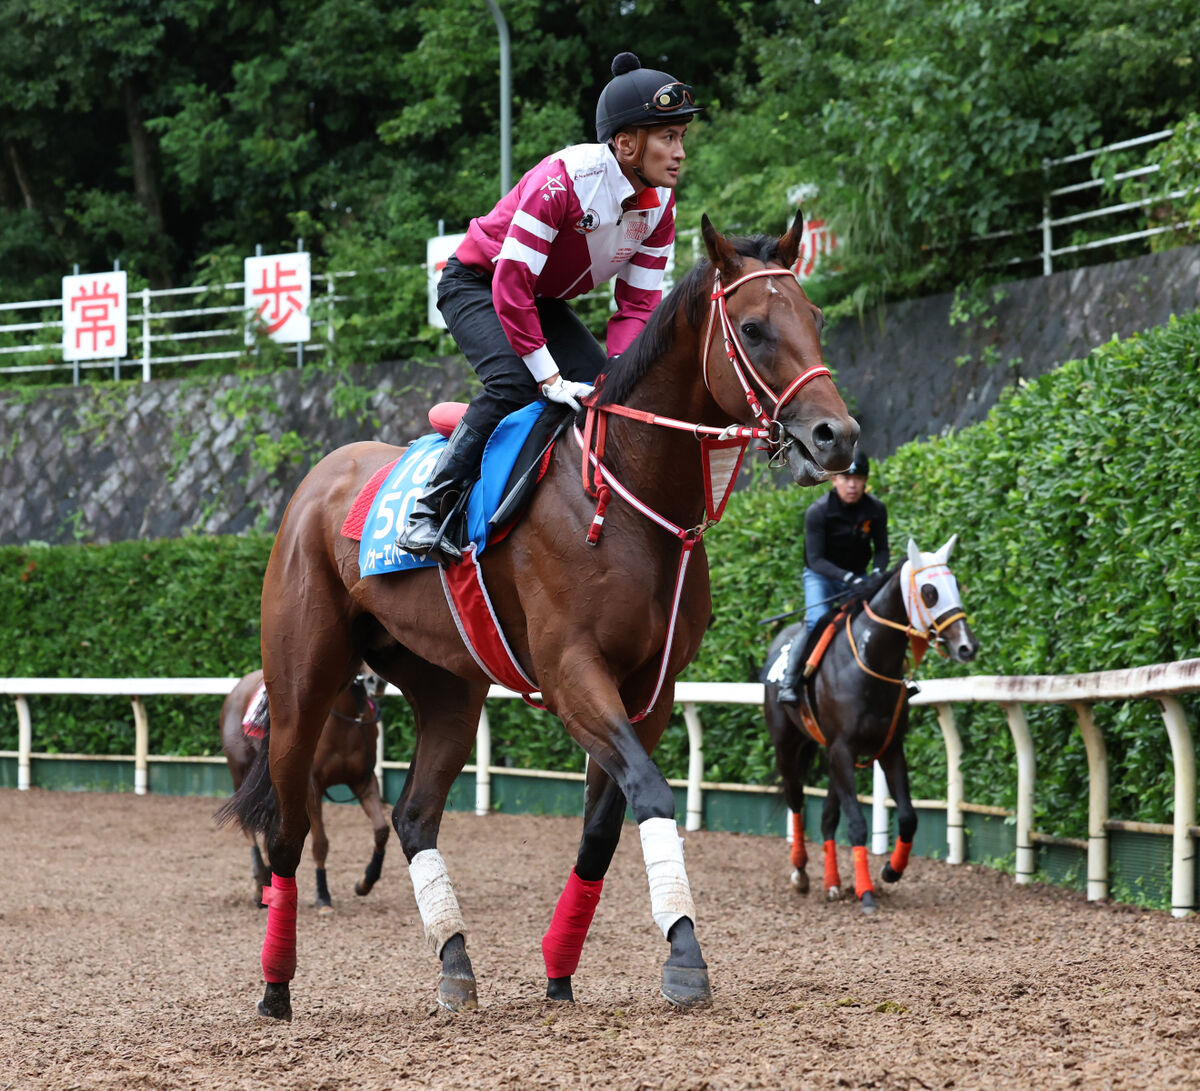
pixel 947 549
pixel 789 244
pixel 914 555
pixel 723 256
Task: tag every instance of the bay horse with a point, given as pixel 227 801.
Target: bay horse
pixel 600 610
pixel 855 704
pixel 345 755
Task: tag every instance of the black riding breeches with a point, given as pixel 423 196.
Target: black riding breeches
pixel 465 299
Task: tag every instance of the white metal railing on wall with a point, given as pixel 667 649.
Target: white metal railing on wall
pixel 1162 683
pixel 157 333
pixel 1052 195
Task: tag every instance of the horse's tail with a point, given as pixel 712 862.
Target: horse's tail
pixel 253 805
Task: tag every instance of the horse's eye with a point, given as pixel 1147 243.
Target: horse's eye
pixel 752 331
pixel 929 594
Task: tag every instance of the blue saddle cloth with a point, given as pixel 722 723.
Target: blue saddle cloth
pixel 377 551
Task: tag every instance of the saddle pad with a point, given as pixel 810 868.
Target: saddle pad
pixel 397 493
pixel 777 670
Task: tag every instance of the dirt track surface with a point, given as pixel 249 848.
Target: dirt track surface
pixel 129 951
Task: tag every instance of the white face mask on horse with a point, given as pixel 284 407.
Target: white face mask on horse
pixel 931 596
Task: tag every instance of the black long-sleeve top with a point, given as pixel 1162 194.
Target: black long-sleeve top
pixel 840 538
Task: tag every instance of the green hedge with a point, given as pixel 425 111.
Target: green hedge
pixel 1077 505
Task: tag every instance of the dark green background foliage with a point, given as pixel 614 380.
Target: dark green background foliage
pixel 1076 502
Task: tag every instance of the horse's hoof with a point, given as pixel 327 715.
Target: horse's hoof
pixel 324 909
pixel 277 1001
pixel 686 987
pixel 868 902
pixel 890 876
pixel 833 893
pixel 559 988
pixel 457 993
pixel 362 889
pixel 800 881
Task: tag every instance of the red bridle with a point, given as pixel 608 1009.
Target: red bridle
pixel 740 361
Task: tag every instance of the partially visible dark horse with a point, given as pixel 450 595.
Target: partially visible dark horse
pixel 855 703
pixel 345 755
pixel 601 592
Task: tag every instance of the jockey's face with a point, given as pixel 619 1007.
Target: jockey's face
pixel 849 487
pixel 661 156
pixel 664 154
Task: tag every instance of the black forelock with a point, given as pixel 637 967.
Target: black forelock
pixel 692 293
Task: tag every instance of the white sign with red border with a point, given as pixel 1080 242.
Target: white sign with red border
pixel 95 307
pixel 278 293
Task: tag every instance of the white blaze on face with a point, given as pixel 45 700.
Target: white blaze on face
pixel 930 569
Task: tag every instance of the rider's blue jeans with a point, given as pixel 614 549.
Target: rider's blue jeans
pixel 818 590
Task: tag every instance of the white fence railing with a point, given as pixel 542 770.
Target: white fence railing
pixel 1162 682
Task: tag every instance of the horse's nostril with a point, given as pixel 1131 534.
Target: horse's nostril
pixel 824 436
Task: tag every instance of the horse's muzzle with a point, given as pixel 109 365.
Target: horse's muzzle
pixel 818 450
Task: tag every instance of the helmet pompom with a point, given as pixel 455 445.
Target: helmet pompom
pixel 625 62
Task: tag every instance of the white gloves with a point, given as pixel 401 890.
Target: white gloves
pixel 566 392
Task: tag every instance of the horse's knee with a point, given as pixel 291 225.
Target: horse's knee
pixel 381 839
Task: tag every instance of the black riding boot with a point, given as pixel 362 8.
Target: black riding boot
pixel 455 470
pixel 789 688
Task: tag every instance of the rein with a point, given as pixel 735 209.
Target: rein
pixel 721 450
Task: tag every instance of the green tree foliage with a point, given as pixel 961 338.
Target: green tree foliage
pixel 174 136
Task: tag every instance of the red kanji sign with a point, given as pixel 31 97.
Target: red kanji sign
pixel 95 309
pixel 278 292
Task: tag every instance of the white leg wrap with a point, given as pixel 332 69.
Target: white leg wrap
pixel 670 894
pixel 436 899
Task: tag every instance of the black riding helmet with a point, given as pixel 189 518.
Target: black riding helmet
pixel 637 96
pixel 860 466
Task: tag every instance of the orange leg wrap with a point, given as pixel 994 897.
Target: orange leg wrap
pixel 862 872
pixel 900 856
pixel 832 878
pixel 799 850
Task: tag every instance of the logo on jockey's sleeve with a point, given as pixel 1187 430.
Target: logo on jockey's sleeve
pixel 552 185
pixel 588 222
pixel 864 528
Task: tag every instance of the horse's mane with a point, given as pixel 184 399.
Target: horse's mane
pixel 656 338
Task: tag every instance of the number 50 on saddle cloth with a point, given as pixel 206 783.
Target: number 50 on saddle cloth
pixel 385 502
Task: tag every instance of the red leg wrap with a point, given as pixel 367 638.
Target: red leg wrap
pixel 563 941
pixel 900 856
pixel 799 851
pixel 279 946
pixel 862 872
pixel 832 878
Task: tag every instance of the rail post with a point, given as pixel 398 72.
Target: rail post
pixel 24 744
pixel 1183 848
pixel 695 794
pixel 1097 850
pixel 879 813
pixel 955 832
pixel 141 748
pixel 1026 771
pixel 483 761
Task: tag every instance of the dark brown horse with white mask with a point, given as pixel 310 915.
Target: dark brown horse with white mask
pixel 854 702
pixel 345 755
pixel 601 622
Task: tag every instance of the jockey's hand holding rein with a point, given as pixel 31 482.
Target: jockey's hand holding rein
pixel 564 391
